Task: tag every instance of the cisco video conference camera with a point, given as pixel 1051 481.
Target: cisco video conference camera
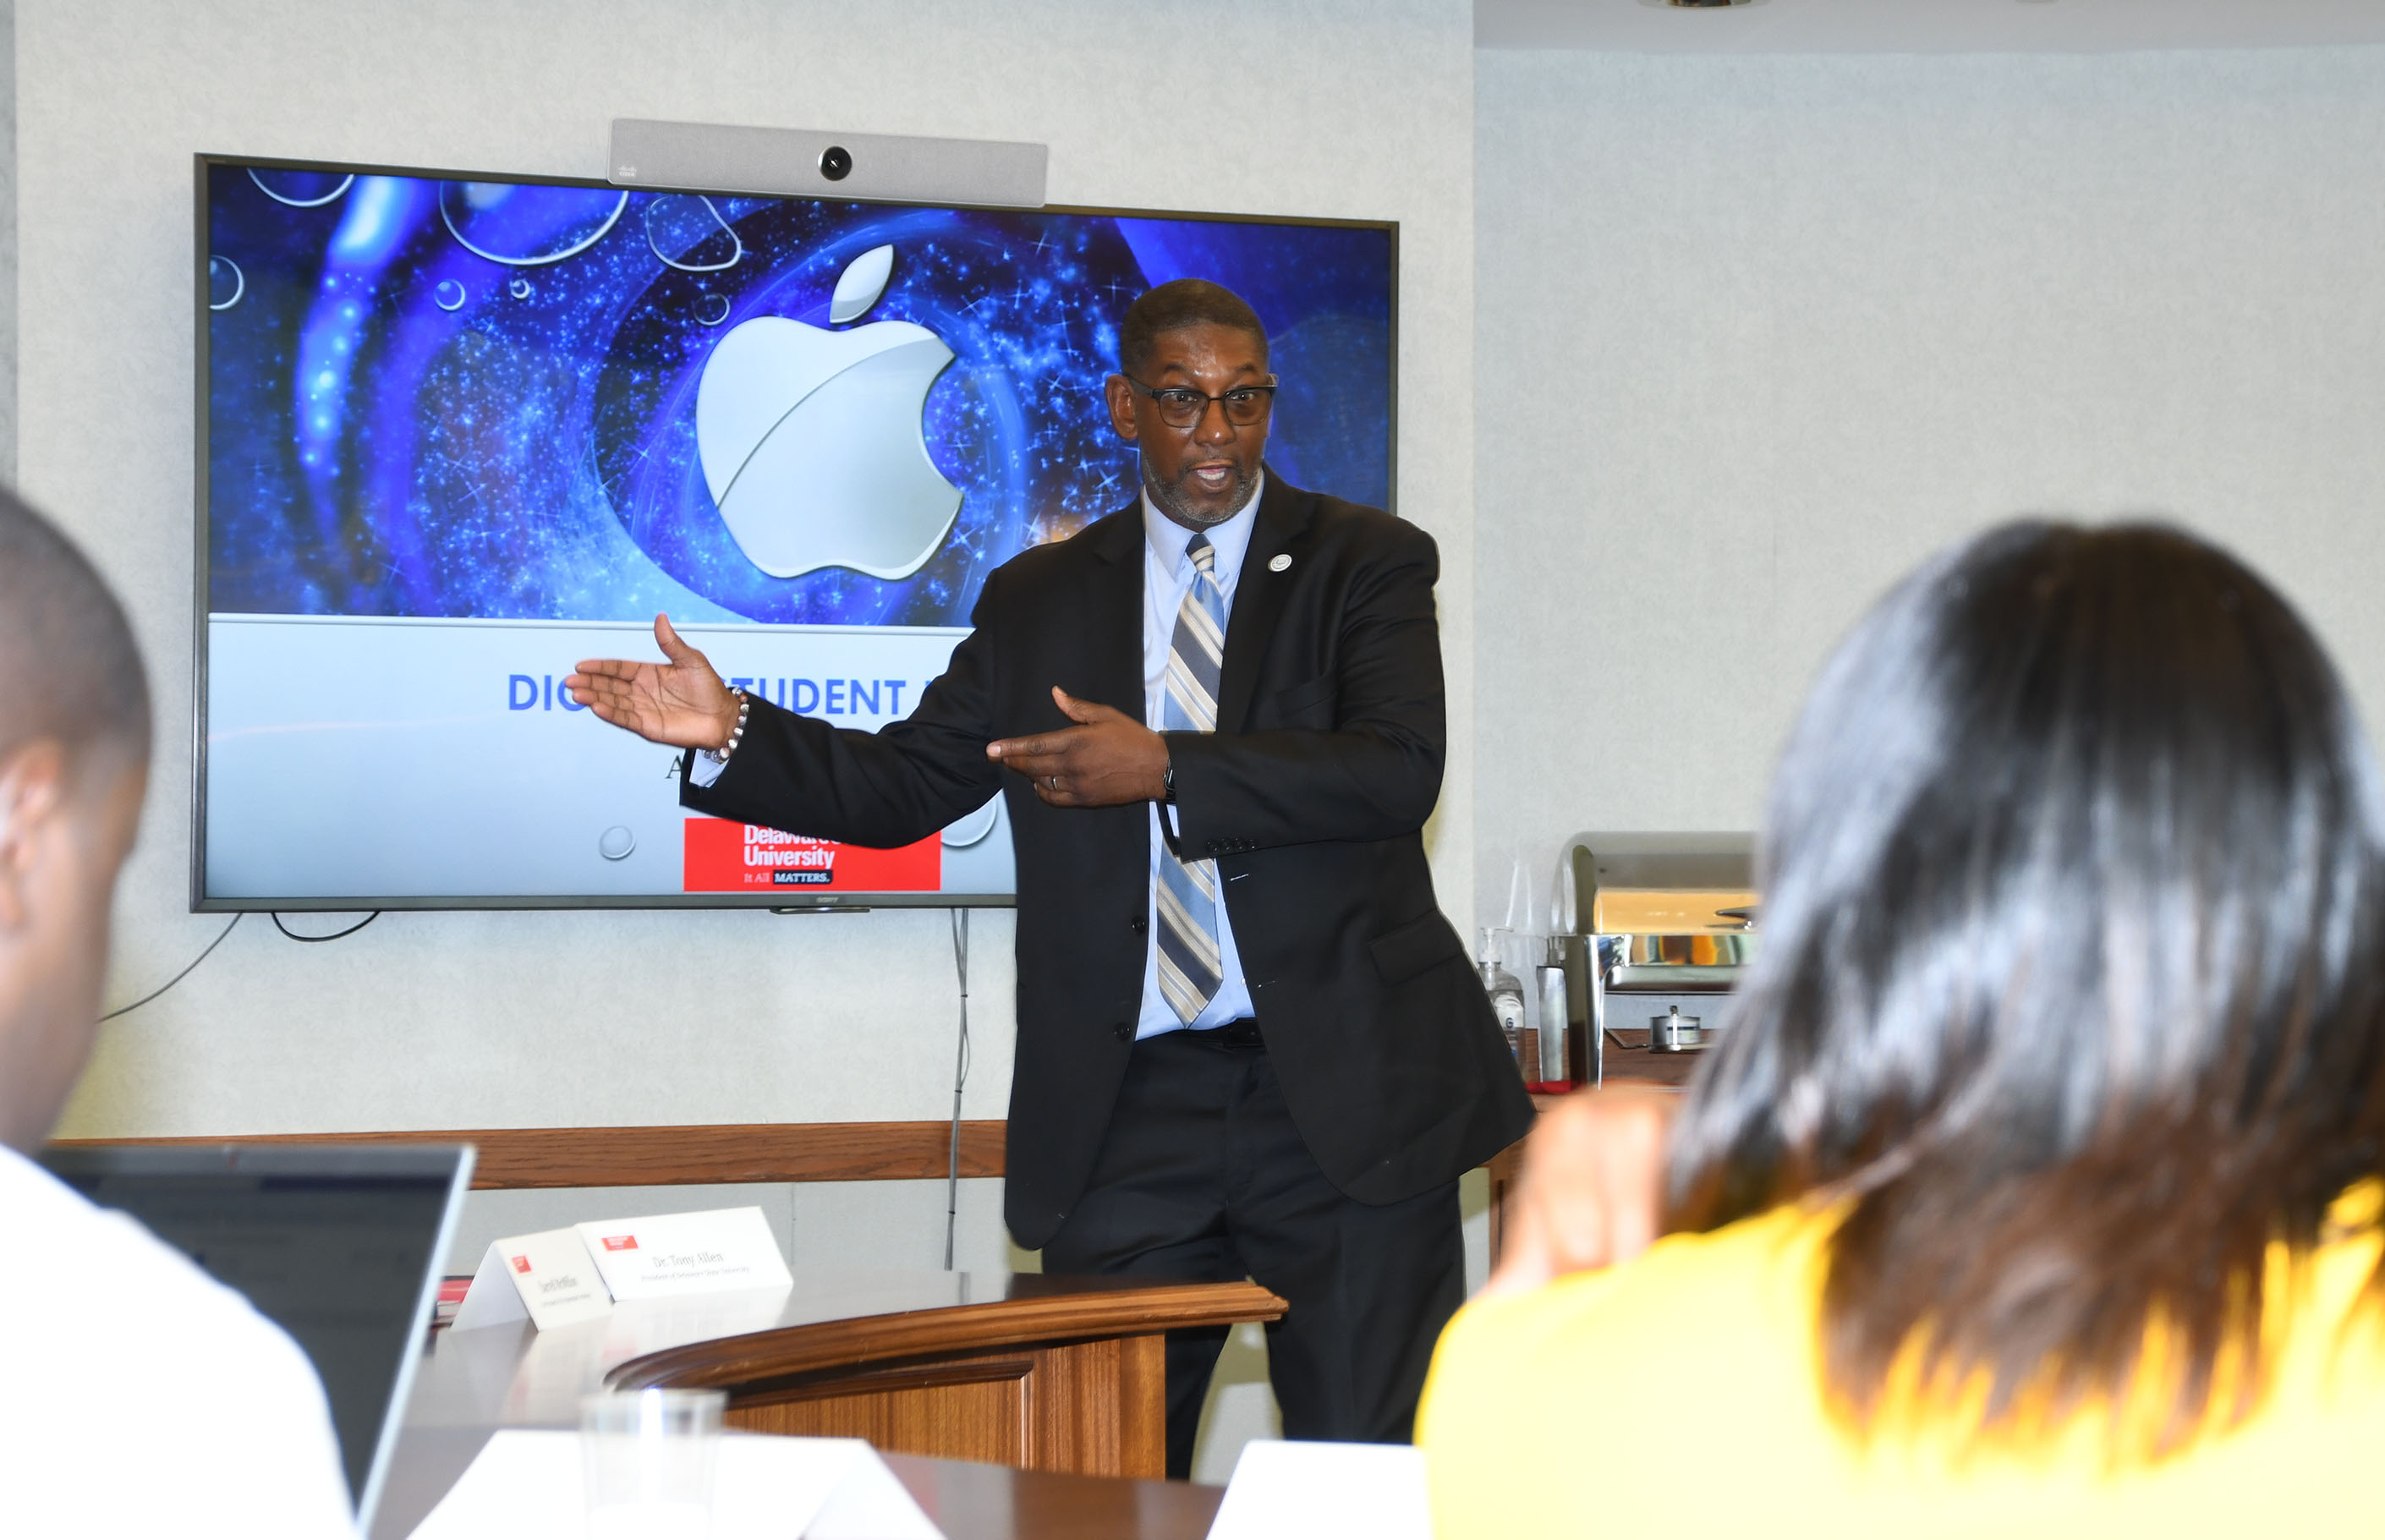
pixel 722 158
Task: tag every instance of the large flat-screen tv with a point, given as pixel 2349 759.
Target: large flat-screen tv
pixel 457 431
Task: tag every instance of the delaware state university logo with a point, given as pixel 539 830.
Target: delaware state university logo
pixel 811 441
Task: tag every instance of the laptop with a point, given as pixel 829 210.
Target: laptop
pixel 341 1245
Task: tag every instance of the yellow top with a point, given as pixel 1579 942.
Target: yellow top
pixel 1681 1396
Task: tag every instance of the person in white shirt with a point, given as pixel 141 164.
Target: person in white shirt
pixel 137 1395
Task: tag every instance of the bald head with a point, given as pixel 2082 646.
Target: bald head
pixel 69 672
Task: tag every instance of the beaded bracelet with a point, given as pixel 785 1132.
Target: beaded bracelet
pixel 720 756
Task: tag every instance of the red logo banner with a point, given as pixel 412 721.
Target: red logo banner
pixel 722 857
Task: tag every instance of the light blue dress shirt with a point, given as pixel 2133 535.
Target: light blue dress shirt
pixel 1166 577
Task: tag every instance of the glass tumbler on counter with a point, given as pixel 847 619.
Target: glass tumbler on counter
pixel 649 1457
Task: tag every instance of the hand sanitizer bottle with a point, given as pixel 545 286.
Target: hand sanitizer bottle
pixel 1507 996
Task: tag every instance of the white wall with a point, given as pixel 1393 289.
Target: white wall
pixel 1335 108
pixel 1756 333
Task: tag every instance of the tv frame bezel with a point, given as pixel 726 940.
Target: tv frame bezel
pixel 204 162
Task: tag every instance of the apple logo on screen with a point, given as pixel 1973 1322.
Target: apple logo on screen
pixel 811 442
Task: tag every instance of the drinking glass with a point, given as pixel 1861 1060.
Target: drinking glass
pixel 649 1457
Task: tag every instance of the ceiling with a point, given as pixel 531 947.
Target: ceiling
pixel 1926 26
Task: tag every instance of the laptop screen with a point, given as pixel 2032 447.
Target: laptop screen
pixel 338 1245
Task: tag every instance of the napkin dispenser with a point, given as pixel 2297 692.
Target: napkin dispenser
pixel 1651 928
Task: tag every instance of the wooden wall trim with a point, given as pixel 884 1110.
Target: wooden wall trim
pixel 679 1154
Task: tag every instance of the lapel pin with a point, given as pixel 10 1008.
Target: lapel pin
pixel 1282 562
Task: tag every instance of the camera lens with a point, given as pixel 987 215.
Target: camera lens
pixel 836 163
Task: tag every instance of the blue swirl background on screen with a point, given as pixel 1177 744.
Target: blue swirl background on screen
pixel 443 398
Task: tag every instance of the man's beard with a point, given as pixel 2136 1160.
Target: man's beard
pixel 1172 500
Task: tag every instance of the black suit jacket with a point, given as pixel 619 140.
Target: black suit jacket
pixel 1311 798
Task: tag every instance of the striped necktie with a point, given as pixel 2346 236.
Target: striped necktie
pixel 1190 969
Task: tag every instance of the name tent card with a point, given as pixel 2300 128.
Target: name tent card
pixel 548 1277
pixel 1287 1490
pixel 666 1255
pixel 531 1481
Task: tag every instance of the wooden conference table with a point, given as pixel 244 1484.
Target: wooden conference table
pixel 956 1376
pixel 970 1501
pixel 1061 1379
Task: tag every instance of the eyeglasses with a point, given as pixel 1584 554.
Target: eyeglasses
pixel 1245 405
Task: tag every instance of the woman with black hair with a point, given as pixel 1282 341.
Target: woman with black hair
pixel 2034 1186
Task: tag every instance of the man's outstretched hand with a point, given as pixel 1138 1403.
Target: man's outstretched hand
pixel 1108 758
pixel 681 703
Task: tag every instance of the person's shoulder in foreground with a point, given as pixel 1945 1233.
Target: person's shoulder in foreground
pixel 2009 1202
pixel 1680 1394
pixel 140 1397
pixel 146 1397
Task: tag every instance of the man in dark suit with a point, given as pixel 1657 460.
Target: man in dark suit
pixel 1249 1044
